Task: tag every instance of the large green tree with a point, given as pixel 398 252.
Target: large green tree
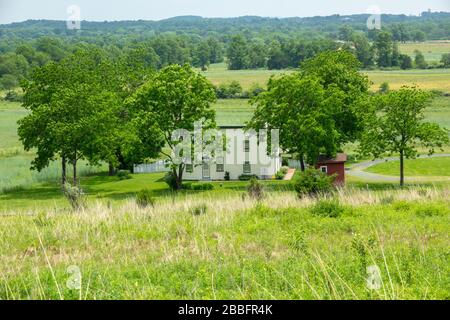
pixel 175 98
pixel 384 46
pixel 394 124
pixel 72 111
pixel 237 53
pixel 298 106
pixel 338 72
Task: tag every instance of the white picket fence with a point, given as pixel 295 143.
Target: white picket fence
pixel 159 166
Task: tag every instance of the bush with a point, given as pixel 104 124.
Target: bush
pixel 123 174
pixel 171 180
pixel 145 199
pixel 199 210
pixel 384 88
pixel 327 208
pixel 75 196
pixel 282 173
pixel 255 189
pixel 247 177
pixel 279 175
pixel 13 96
pixel 312 182
pixel 198 186
pixel 229 90
pixel 227 176
pixel 255 90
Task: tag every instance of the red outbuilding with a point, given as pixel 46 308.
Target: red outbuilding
pixel 333 166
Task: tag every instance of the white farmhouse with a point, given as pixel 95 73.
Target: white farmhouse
pixel 245 154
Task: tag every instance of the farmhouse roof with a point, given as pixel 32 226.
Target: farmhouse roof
pixel 340 158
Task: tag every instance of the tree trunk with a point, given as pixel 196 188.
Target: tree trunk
pixel 64 170
pixel 180 177
pixel 402 169
pixel 111 169
pixel 75 172
pixel 302 163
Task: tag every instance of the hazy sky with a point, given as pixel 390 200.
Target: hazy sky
pixel 100 10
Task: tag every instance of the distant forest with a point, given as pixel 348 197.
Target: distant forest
pixel 244 43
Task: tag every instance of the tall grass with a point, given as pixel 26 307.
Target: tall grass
pixel 275 248
pixel 15 172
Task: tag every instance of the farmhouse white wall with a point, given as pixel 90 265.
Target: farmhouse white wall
pixel 260 166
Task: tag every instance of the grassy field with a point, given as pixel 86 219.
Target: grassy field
pixel 437 79
pixel 218 74
pixel 416 167
pixel 432 50
pixel 280 248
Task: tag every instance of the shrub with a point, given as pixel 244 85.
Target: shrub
pixel 429 210
pixel 255 90
pixel 123 174
pixel 313 182
pixel 171 180
pixel 13 96
pixel 327 208
pixel 145 199
pixel 247 177
pixel 279 175
pixel 255 189
pixel 282 173
pixel 229 90
pixel 198 186
pixel 227 176
pixel 384 88
pixel 199 210
pixel 401 206
pixel 75 196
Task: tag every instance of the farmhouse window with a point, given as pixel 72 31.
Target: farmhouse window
pixel 219 167
pixel 324 169
pixel 247 167
pixel 189 168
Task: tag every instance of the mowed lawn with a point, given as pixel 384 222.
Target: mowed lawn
pixel 415 167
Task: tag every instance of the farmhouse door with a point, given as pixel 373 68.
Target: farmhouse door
pixel 206 171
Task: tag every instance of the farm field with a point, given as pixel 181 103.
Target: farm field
pixel 218 74
pixel 432 50
pixel 280 248
pixel 434 79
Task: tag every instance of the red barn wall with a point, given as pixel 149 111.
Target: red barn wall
pixel 335 168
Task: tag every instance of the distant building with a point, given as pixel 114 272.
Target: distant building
pixel 333 166
pixel 243 156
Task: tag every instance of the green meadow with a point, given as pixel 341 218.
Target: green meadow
pixel 280 248
pixel 437 167
pixel 433 79
pixel 432 50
